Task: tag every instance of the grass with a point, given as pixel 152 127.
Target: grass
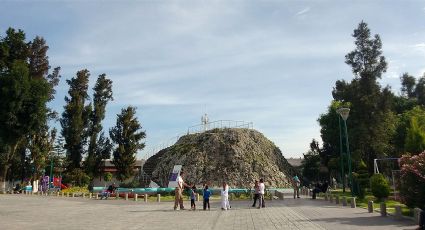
pixel 363 203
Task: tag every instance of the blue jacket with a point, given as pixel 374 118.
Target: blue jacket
pixel 207 194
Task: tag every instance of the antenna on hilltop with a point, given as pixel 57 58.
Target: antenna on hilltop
pixel 204 120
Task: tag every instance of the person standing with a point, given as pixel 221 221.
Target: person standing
pixel 296 184
pixel 193 197
pixel 206 195
pixel 261 190
pixel 225 197
pixel 256 192
pixel 178 199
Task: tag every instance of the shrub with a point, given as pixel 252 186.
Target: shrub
pixel 412 186
pixel 379 186
pixel 107 177
pixel 131 184
pixel 77 177
pixel 361 179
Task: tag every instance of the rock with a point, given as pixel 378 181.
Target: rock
pixel 237 156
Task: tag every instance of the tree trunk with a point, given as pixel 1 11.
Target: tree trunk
pixel 3 178
pixel 9 156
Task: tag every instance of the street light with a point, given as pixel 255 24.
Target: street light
pixel 341 155
pixel 344 112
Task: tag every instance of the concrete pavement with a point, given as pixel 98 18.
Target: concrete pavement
pixel 35 212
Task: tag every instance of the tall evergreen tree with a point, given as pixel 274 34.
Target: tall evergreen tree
pixel 370 117
pixel 127 136
pixel 75 120
pixel 99 148
pixel 24 93
pixel 408 86
pixel 420 90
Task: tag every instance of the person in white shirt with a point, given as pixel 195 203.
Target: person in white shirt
pixel 261 188
pixel 225 197
pixel 178 199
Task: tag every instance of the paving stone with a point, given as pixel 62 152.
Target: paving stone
pixel 34 212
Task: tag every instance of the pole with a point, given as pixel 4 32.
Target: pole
pixel 341 154
pixel 51 173
pixel 349 158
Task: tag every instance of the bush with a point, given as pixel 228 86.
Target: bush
pixel 107 177
pixel 412 180
pixel 379 186
pixel 131 184
pixel 361 180
pixel 75 190
pixel 76 177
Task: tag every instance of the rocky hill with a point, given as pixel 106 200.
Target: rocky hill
pixel 237 156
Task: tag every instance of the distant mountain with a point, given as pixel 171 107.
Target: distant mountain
pixel 237 156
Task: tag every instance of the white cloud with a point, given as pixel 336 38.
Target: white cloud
pixel 303 11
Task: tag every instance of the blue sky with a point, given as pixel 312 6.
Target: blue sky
pixel 273 63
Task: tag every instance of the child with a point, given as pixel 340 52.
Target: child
pixel 225 197
pixel 193 197
pixel 206 195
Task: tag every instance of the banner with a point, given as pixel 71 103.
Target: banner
pixel 172 181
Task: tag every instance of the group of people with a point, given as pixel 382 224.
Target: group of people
pixel 318 187
pixel 259 189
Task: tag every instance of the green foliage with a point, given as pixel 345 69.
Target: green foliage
pixel 99 148
pixel 25 89
pixel 107 177
pixel 131 184
pixel 415 138
pixel 127 135
pixel 410 133
pixel 76 177
pixel 370 105
pixel 412 180
pixel 311 167
pixel 379 186
pixel 420 90
pixel 361 178
pixel 408 86
pixel 74 119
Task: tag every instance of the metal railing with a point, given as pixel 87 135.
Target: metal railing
pixel 220 124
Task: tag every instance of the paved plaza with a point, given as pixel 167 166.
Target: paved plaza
pixel 36 212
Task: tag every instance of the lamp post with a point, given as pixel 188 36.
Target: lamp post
pixel 344 112
pixel 341 155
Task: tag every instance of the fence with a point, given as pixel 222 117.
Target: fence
pixel 220 124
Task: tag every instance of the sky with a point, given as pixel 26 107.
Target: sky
pixel 273 63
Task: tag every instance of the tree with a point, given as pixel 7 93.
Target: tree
pixel 408 86
pixel 370 117
pixel 312 169
pixel 420 90
pixel 25 90
pixel 127 135
pixel 99 148
pixel 410 132
pixel 75 118
pixel 107 177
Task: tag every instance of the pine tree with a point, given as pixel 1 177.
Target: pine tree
pixel 370 117
pixel 99 148
pixel 127 136
pixel 75 120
